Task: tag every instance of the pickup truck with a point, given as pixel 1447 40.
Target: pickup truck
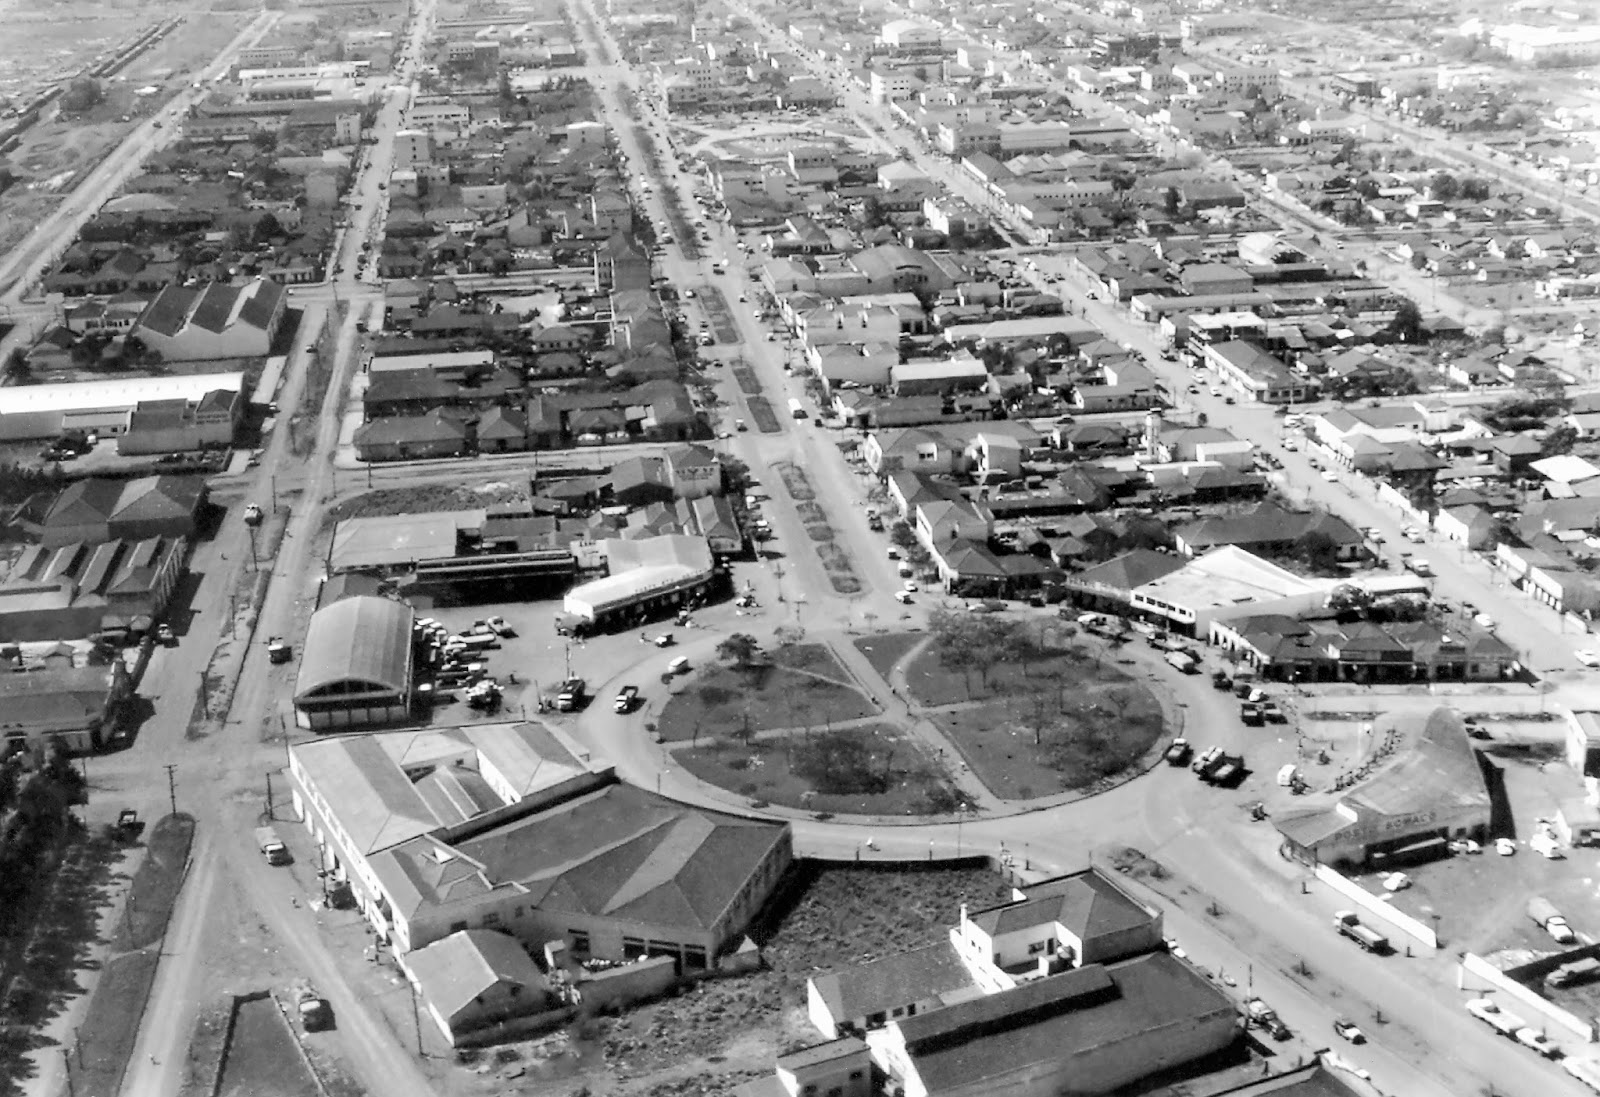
pixel 1347 923
pixel 1225 770
pixel 1490 1013
pixel 1261 1015
pixel 1548 918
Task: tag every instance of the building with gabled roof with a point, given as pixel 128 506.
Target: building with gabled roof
pixel 475 978
pixel 1429 790
pixel 218 320
pixel 512 827
pixel 96 509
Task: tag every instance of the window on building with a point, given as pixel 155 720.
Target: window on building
pixel 632 948
pixel 855 1075
pixel 694 958
pixel 580 940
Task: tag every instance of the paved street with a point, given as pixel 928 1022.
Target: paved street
pixel 1260 928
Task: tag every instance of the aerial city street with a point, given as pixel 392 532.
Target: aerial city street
pixel 887 550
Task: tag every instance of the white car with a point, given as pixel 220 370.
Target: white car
pixel 1396 881
pixel 1330 476
pixel 1538 1041
pixel 1587 657
pixel 909 588
pixel 1505 847
pixel 680 665
pixel 903 597
pixel 1484 620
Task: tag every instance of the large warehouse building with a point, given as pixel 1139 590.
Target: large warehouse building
pixel 512 827
pixel 102 407
pixel 355 667
pixel 1430 790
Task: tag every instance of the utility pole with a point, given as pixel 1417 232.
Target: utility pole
pixel 416 1015
pixel 269 794
pixel 172 787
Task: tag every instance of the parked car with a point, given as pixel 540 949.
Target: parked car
pixel 1349 1031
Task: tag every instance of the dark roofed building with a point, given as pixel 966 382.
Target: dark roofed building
pixel 217 321
pixel 1088 1031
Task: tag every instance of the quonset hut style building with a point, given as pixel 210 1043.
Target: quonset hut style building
pixel 355 668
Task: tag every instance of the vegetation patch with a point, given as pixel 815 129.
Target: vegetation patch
pixel 761 411
pixel 1042 742
pixel 873 770
pixel 720 1031
pixel 424 499
pixel 883 652
pixel 728 703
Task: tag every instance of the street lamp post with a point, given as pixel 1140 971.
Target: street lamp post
pixel 961 813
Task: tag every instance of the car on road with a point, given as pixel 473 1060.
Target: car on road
pixel 625 699
pixel 1505 847
pixel 909 588
pixel 1215 391
pixel 1587 656
pixel 165 636
pixel 1330 476
pixel 1413 534
pixel 680 665
pixel 903 597
pixel 1396 881
pixel 1349 1031
pixel 1484 621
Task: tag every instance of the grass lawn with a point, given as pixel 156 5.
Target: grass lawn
pixel 832 917
pixel 888 772
pixel 932 683
pixel 883 652
pixel 811 658
pixel 715 704
pixel 1102 729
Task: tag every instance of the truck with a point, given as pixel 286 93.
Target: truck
pixel 271 846
pixel 315 1014
pixel 1261 1015
pixel 1548 918
pixel 796 409
pixel 1183 662
pixel 1227 769
pixel 571 695
pixel 1579 971
pixel 1347 923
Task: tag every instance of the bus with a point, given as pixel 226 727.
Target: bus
pixel 795 409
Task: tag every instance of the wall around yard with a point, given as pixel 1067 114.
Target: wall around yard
pixel 1477 967
pixel 1384 912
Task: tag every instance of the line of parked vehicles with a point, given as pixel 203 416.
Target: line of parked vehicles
pixel 460 660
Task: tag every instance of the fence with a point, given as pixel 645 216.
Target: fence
pixel 1474 965
pixel 1376 907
